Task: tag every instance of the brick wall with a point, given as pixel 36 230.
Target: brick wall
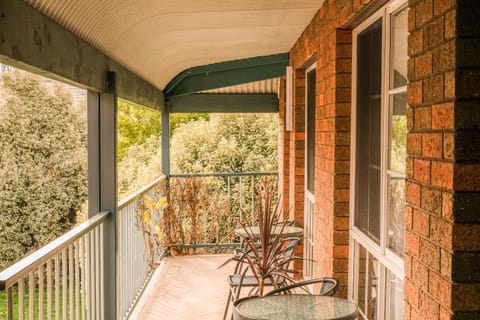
pixel 325 43
pixel 283 154
pixel 442 262
pixel 442 240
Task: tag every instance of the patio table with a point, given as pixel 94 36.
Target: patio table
pixel 295 306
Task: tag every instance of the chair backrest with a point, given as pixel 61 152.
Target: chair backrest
pixel 291 244
pixel 329 287
pixel 287 223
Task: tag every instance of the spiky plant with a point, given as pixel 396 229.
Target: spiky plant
pixel 267 254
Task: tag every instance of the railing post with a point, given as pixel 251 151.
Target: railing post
pixel 102 193
pixel 166 143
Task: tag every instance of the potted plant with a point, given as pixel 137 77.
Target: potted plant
pixel 267 253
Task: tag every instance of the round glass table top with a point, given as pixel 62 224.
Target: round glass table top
pixel 288 231
pixel 297 307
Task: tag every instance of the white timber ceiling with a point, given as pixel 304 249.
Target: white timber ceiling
pixel 158 39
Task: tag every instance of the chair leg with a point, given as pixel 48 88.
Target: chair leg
pixel 229 299
pixel 235 296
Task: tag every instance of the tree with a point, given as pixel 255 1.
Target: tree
pixel 135 126
pixel 226 143
pixel 178 119
pixel 43 173
pixel 138 124
pixel 142 164
pixel 139 144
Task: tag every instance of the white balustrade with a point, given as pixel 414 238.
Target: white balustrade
pixel 134 270
pixel 55 281
pixel 64 280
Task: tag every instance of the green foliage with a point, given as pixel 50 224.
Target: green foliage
pixel 43 157
pixel 135 126
pixel 226 143
pixel 178 119
pixel 139 144
pixel 398 157
pixel 141 165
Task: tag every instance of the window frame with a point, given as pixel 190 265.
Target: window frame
pixel 386 257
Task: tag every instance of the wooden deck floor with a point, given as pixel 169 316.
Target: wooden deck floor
pixel 187 287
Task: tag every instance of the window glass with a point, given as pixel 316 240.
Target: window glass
pixel 394 297
pixel 367 283
pixel 397 135
pixel 396 212
pixel 361 278
pixel 368 132
pixel 311 130
pixel 399 56
pixel 398 132
pixel 372 285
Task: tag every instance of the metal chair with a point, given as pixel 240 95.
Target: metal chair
pixel 242 249
pixel 329 287
pixel 237 281
pixel 287 223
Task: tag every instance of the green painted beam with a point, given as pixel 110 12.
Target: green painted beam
pixel 31 41
pixel 228 73
pixel 223 103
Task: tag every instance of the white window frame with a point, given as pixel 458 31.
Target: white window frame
pixel 380 251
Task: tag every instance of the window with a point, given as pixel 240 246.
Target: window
pixel 310 98
pixel 368 131
pixel 309 221
pixel 379 131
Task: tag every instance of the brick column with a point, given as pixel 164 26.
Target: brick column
pixel 297 151
pixel 442 240
pixel 283 154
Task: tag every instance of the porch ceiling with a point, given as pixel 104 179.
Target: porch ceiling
pixel 158 39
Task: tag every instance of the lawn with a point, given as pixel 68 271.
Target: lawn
pixel 3 304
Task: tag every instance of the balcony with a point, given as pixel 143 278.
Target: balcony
pixel 66 278
pixel 182 286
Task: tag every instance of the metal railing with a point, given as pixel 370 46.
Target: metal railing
pixel 133 267
pixel 61 280
pixel 224 202
pixel 64 279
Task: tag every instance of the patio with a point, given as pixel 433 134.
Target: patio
pixel 405 235
pixel 186 287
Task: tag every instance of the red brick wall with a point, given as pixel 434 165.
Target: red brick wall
pixel 442 240
pixel 283 154
pixel 297 150
pixel 326 44
pixel 442 262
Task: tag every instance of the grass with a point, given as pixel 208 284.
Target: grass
pixel 3 304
